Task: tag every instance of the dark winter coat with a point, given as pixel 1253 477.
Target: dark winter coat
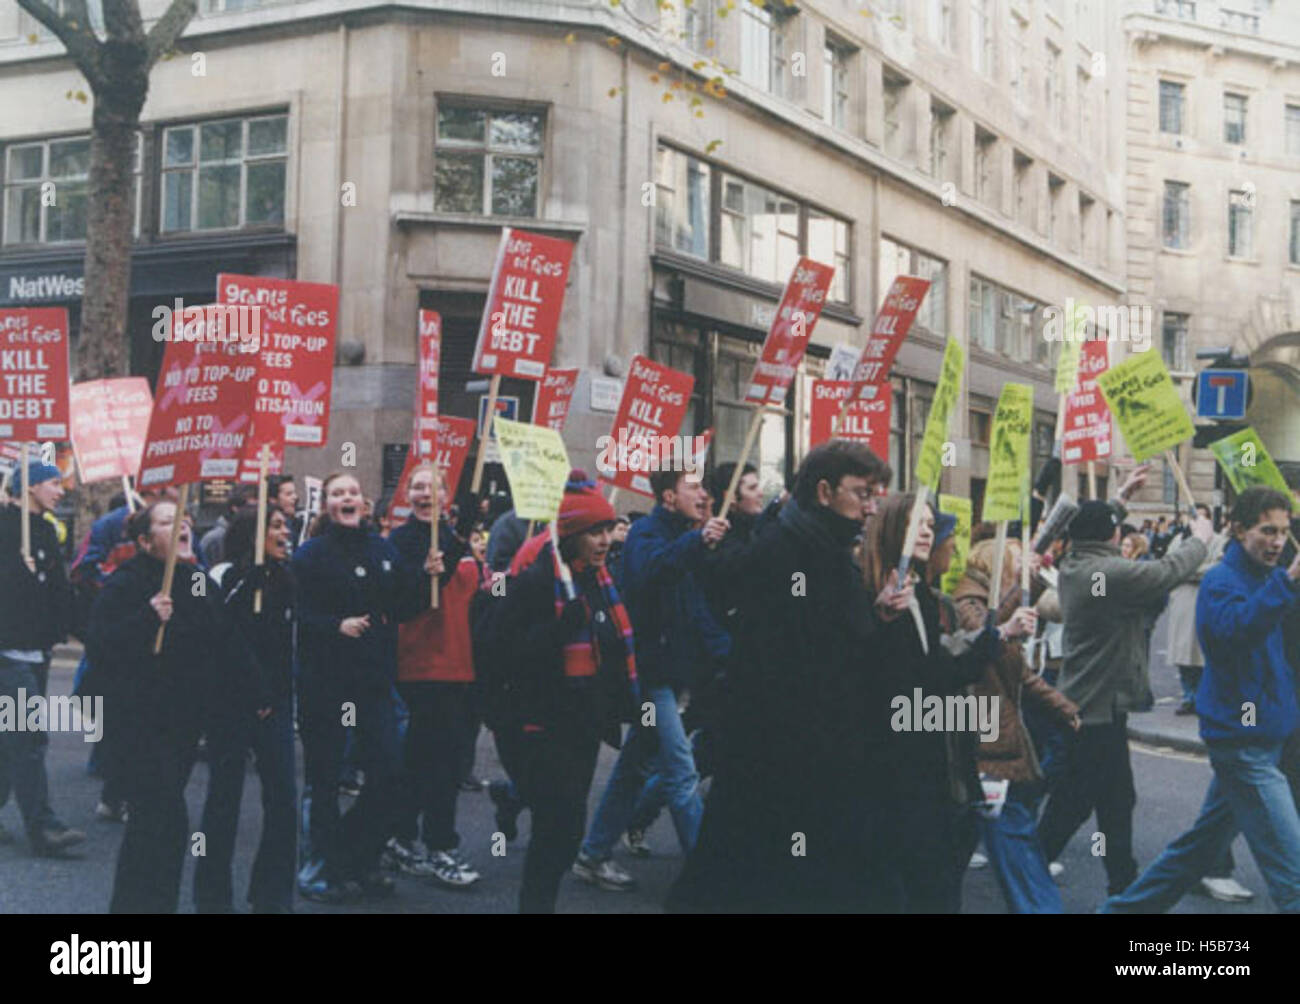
pixel 35 608
pixel 344 573
pixel 792 759
pixel 270 635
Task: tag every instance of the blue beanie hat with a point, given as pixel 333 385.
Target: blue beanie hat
pixel 38 472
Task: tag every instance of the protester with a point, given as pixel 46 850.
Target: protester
pixel 791 763
pixel 35 615
pixel 1247 705
pixel 1105 601
pixel 212 544
pixel 282 494
pixel 572 664
pixel 668 608
pixel 268 634
pixel 349 598
pixel 1011 836
pixel 435 677
pixel 508 535
pixel 1133 546
pixel 159 703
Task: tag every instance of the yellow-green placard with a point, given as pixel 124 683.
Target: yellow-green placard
pixel 537 466
pixel 1146 405
pixel 1067 364
pixel 1008 479
pixel 961 508
pixel 941 408
pixel 1246 462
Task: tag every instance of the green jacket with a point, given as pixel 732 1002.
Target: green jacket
pixel 1105 603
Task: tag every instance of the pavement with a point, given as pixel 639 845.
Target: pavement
pixel 1160 727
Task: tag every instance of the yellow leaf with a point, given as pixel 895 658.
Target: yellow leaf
pixel 667 97
pixel 613 92
pixel 611 41
pixel 676 85
pixel 665 67
pixel 708 43
pixel 568 39
pixel 713 145
pixel 690 85
pixel 699 114
pixel 654 78
pixel 33 39
pixel 697 64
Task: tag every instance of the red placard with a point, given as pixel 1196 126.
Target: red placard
pixel 199 428
pixel 891 326
pixel 110 420
pixel 298 325
pixel 792 328
pixel 517 334
pixel 655 399
pixel 554 396
pixel 426 393
pixel 34 373
pixel 864 421
pixel 1087 418
pixel 454 438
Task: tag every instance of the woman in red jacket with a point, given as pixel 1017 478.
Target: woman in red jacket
pixel 435 677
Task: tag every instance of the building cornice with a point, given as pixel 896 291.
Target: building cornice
pixel 1142 27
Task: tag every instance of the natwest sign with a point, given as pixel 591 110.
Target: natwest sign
pixel 39 287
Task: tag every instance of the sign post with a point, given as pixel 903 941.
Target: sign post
pixel 889 329
pixel 537 466
pixel 1006 496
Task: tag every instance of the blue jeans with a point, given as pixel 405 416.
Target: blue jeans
pixel 22 754
pixel 1017 857
pixel 664 750
pixel 1249 793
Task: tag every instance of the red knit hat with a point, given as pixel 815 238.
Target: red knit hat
pixel 582 506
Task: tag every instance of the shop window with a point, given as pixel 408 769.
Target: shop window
pixel 828 242
pixel 225 174
pixel 759 230
pixel 60 167
pixel 487 162
pixel 682 202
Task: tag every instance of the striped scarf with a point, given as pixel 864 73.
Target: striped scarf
pixel 582 654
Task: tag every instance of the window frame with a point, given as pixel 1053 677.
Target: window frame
pixel 1182 190
pixel 1229 103
pixel 1181 92
pixel 486 149
pixel 1241 206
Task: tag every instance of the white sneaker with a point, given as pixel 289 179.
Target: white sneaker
pixel 1226 890
pixel 977 860
pixel 1056 870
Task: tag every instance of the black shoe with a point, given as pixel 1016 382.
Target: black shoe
pixel 508 809
pixel 377 885
pixel 54 843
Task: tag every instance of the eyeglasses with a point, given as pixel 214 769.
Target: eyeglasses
pixel 865 495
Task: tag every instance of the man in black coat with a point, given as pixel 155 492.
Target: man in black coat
pixel 35 613
pixel 786 827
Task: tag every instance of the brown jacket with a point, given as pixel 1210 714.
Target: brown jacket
pixel 1011 756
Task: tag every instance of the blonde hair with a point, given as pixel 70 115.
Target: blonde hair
pixel 1138 543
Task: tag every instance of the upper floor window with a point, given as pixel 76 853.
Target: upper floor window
pixel 765 47
pixel 224 174
pixel 981 36
pixel 1083 102
pixel 1294 244
pixel 1172 103
pixel 1173 341
pixel 985 166
pixel 1241 224
pixel 1018 56
pixel 941 22
pixel 941 133
pixel 30 26
pixel 1293 130
pixel 1053 99
pixel 487 161
pixel 682 202
pixel 835 83
pixel 760 230
pixel 1006 323
pixel 828 243
pixel 1177 214
pixel 1234 118
pixel 46 190
pixel 1183 9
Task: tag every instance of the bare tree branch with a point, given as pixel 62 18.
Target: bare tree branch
pixel 122 20
pixel 168 28
pixel 80 42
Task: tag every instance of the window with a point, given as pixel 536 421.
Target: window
pixel 764 47
pixel 828 242
pixel 1172 98
pixel 835 83
pixel 941 24
pixel 759 230
pixel 981 36
pixel 1053 101
pixel 1177 214
pixel 1173 341
pixel 941 119
pixel 697 31
pixel 895 92
pixel 64 166
pixel 224 174
pixel 1241 224
pixel 1005 322
pixel 1183 9
pixel 30 26
pixel 898 259
pixel 1295 233
pixel 1234 118
pixel 682 203
pixel 1023 191
pixel 487 162
pixel 1086 202
pixel 1293 130
pixel 1237 20
pixel 981 427
pixel 985 168
pixel 1083 102
pixel 1055 208
pixel 1018 71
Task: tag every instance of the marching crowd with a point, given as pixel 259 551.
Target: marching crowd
pixel 767 652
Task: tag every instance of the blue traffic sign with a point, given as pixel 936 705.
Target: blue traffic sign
pixel 1222 393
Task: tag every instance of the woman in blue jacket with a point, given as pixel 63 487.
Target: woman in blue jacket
pixel 349 591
